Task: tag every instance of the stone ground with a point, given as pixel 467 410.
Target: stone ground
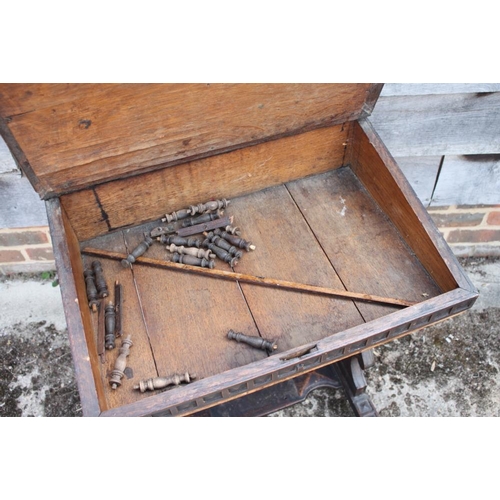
pixel 450 369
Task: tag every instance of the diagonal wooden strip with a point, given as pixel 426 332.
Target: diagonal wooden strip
pixel 207 226
pixel 246 278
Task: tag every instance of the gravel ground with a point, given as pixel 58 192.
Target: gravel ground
pixel 450 369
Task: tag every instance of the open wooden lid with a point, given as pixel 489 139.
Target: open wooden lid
pixel 66 137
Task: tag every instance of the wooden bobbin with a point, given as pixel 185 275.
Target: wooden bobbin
pixel 120 364
pixel 233 230
pixel 162 230
pixel 153 384
pixel 192 261
pixel 110 322
pixel 209 206
pixel 100 282
pixel 139 250
pixel 235 240
pixel 179 241
pixel 195 252
pixel 175 216
pixel 257 342
pixel 222 254
pixel 91 289
pixel 222 243
pixel 118 308
pixel 194 221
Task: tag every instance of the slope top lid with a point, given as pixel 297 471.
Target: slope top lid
pixel 67 137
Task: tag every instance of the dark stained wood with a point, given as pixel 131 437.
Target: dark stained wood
pixel 75 136
pixel 361 243
pixel 140 363
pixel 246 278
pixel 188 318
pixel 74 299
pixel 379 173
pixel 128 202
pixel 326 351
pixel 287 250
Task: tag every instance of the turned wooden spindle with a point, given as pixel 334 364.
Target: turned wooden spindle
pixel 175 216
pixel 118 308
pixel 177 240
pixel 233 230
pixel 162 230
pixel 110 323
pixel 195 252
pixel 91 289
pixel 120 364
pixel 153 384
pixel 192 261
pixel 235 240
pixel 194 221
pixel 100 282
pixel 222 254
pixel 139 250
pixel 209 206
pixel 257 342
pixel 222 243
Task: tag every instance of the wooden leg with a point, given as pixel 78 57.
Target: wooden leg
pixel 346 374
pixel 353 380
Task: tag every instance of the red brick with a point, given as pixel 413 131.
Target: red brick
pixel 457 219
pixel 493 218
pixel 11 256
pixel 470 236
pixel 23 238
pixel 40 253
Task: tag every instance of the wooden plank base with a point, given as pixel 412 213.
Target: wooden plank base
pixel 324 230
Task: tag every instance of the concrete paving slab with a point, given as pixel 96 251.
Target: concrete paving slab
pixel 450 369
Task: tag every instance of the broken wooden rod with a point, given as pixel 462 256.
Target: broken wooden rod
pixel 247 278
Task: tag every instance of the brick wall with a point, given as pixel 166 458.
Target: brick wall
pixel 471 231
pixel 26 250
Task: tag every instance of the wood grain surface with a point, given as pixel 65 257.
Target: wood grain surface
pixel 140 363
pixel 380 175
pixel 287 249
pixel 246 278
pixel 141 199
pixel 188 317
pixel 361 243
pixel 433 125
pixel 75 136
pixel 405 89
pixel 74 299
pixel 468 180
pixel 422 174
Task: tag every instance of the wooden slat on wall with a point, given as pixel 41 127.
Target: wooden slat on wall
pixel 452 124
pixel 468 180
pixel 421 172
pixel 20 206
pixel 400 89
pixel 7 163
